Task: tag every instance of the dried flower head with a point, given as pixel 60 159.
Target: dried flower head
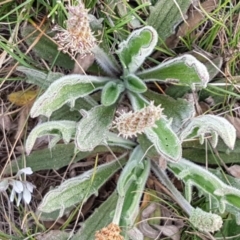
pixel 111 232
pixel 78 37
pixel 131 123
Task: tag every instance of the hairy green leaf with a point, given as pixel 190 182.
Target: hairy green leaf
pixel 114 140
pixel 66 90
pixel 127 175
pixel 130 188
pixel 93 127
pixel 186 70
pixel 138 101
pixel 134 193
pixel 111 93
pixel 98 220
pixel 215 125
pixel 39 78
pixel 135 84
pixel 109 65
pixel 71 114
pixel 165 15
pixel 208 183
pixel 133 51
pixel 63 129
pixel 164 140
pixel 79 189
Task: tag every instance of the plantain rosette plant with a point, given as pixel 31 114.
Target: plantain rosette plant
pixel 155 125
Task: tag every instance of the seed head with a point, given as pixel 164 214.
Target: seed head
pixel 111 232
pixel 131 123
pixel 78 37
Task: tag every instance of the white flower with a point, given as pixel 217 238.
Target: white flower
pixel 27 192
pixel 23 189
pixel 12 195
pixel 17 186
pixel 26 171
pixel 4 185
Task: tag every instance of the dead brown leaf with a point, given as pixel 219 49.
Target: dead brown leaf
pixel 235 122
pixel 168 229
pixel 195 16
pixel 22 98
pixel 83 63
pixel 234 171
pixel 24 114
pixel 204 107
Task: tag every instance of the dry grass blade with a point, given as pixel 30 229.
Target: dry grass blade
pixel 195 16
pixel 5 121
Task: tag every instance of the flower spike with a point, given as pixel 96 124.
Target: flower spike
pixel 78 37
pixel 131 123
